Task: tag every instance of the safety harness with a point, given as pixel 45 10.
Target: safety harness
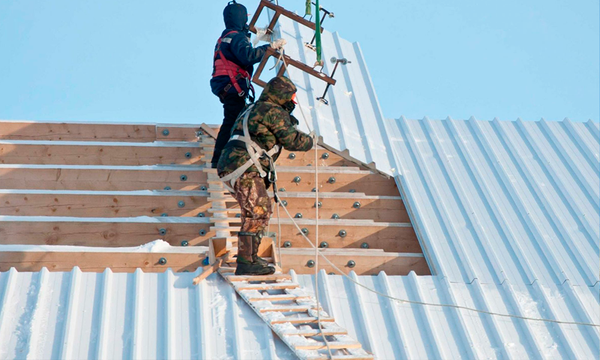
pixel 224 67
pixel 255 152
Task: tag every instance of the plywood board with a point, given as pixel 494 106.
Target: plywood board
pixel 87 205
pixel 104 234
pixel 99 179
pixel 90 154
pixel 98 261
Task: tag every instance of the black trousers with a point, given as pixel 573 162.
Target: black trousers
pixel 232 107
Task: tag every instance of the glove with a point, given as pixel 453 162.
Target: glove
pixel 261 35
pixel 278 44
pixel 294 120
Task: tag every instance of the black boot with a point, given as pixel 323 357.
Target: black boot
pixel 255 244
pixel 245 265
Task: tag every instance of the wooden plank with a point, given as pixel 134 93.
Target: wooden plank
pixel 99 261
pixel 317 332
pixel 277 298
pixel 15 130
pixel 208 270
pixel 278 286
pixel 370 184
pixel 368 264
pixel 210 130
pixel 99 179
pixel 382 210
pixel 177 133
pixel 393 239
pixel 273 277
pixel 104 234
pixel 90 205
pixel 301 320
pixel 91 154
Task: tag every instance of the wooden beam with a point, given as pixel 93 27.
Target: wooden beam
pixel 366 262
pixel 109 178
pixel 362 182
pixel 376 236
pixel 91 154
pixel 22 130
pixel 103 234
pixel 377 209
pixel 176 132
pixel 99 261
pixel 102 205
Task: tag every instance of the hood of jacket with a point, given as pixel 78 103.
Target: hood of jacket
pixel 235 16
pixel 279 90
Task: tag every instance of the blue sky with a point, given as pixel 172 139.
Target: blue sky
pixel 150 61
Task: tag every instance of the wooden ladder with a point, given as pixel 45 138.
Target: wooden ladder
pixel 292 314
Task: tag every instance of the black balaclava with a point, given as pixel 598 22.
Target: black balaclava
pixel 235 16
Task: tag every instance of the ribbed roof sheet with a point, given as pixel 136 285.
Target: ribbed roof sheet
pixel 109 315
pixel 504 200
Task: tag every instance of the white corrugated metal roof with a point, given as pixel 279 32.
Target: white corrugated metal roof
pixel 504 200
pixel 109 315
pixel 489 200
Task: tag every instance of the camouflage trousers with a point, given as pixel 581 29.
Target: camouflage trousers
pixel 251 194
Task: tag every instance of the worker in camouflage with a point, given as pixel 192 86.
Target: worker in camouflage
pixel 270 123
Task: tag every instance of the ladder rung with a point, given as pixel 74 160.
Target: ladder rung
pixel 302 320
pixel 285 308
pixel 344 357
pixel 317 332
pixel 275 286
pixel 273 277
pixel 332 345
pixel 275 298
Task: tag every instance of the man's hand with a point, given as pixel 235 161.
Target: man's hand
pixel 261 35
pixel 278 44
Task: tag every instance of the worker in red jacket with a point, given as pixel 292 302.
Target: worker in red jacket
pixel 233 65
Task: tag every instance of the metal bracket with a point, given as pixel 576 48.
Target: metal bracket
pixel 335 61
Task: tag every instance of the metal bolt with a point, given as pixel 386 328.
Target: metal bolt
pixel 305 231
pixel 314 190
pixel 352 190
pixel 162 261
pixel 292 156
pixel 325 156
pixel 202 232
pixel 282 189
pixel 356 205
pixel 188 155
pixel 331 273
pixel 164 214
pixel 284 202
pixel 183 178
pixel 202 188
pixel 167 188
pixel 287 244
pixel 166 132
pixel 310 263
pixel 238 215
pixel 335 216
pixel 181 204
pixel 162 231
pixel 331 180
pixel 297 179
pixel 342 233
pixel 351 263
pixel 324 244
pixel 364 245
pixel 200 215
pixel 184 243
pixel 298 216
pixel 206 261
pixel 319 204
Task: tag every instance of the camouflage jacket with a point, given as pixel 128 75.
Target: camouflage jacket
pixel 269 124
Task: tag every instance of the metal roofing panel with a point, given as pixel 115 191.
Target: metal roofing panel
pixel 503 200
pixel 48 315
pixel 353 119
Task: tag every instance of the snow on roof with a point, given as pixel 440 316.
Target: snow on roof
pixel 109 315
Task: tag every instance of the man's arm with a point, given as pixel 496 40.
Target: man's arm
pixel 279 123
pixel 244 52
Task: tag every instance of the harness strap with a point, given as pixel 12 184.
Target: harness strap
pixel 254 151
pixel 225 67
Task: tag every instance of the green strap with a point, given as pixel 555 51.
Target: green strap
pixel 318 33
